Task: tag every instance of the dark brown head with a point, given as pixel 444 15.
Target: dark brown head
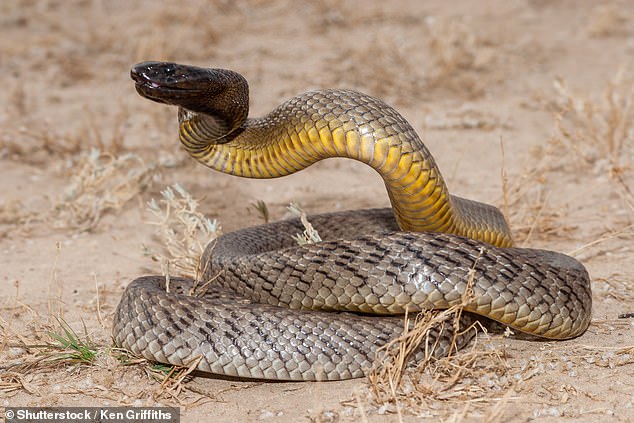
pixel 219 93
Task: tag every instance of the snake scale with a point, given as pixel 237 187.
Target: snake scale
pixel 266 314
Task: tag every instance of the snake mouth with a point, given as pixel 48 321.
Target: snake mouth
pixel 157 92
pixel 166 82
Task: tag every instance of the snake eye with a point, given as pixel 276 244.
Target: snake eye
pixel 155 72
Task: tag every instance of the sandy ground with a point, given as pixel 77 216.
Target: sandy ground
pixel 550 80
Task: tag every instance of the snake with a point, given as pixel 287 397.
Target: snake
pixel 276 310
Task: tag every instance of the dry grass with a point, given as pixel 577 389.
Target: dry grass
pixel 525 204
pixel 13 212
pixel 184 232
pixel 310 234
pixel 102 183
pixel 591 135
pixel 458 61
pixel 527 200
pixel 477 377
pixel 37 143
pixel 262 210
pixel 480 379
pixel 599 132
pixel 379 80
pixel 46 356
pixel 460 56
pixel 55 359
pixel 49 346
pixel 607 20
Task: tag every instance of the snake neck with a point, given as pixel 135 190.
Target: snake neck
pixel 214 128
pixel 329 123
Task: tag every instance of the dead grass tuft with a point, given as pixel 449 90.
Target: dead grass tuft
pixel 39 142
pixel 184 231
pixel 457 57
pixel 460 56
pixel 57 345
pixel 390 364
pixel 36 145
pixel 599 132
pixel 477 376
pixel 172 378
pixel 261 209
pixel 13 212
pixel 310 234
pixel 456 46
pixel 46 356
pixel 591 135
pixel 32 362
pixel 530 212
pixel 379 80
pixel 606 20
pixel 103 183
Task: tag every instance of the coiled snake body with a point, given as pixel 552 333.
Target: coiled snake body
pixel 264 315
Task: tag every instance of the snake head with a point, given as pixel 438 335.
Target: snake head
pixel 219 93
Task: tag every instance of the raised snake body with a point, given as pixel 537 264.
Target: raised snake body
pixel 264 316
